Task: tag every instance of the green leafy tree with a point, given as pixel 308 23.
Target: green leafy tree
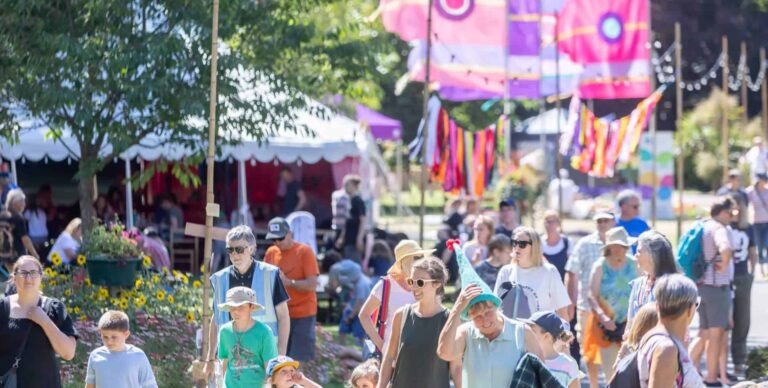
pixel 111 73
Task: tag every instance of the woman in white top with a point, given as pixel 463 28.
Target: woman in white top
pixel 477 249
pixel 37 220
pixel 68 243
pixel 406 252
pixel 539 280
pixel 662 359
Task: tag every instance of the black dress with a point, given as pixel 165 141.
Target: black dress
pixel 39 366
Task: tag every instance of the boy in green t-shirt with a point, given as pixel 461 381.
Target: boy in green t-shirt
pixel 245 345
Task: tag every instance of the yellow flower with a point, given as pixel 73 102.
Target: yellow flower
pixel 190 317
pixel 138 303
pixel 114 301
pixel 123 304
pixel 184 279
pixel 196 284
pixel 165 270
pixel 52 283
pixel 82 318
pixel 160 295
pixel 155 279
pixel 67 292
pixel 138 283
pixel 170 299
pixel 202 268
pixel 142 299
pixel 175 273
pixel 56 259
pixel 103 293
pixel 87 282
pixel 80 260
pixel 77 310
pixel 147 262
pixel 49 273
pixel 69 310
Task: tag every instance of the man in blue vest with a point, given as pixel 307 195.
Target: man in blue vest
pixel 262 278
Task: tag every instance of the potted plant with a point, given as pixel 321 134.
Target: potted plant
pixel 112 255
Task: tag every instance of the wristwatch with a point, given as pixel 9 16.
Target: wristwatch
pixel 293 282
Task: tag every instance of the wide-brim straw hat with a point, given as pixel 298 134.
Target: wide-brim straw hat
pixel 618 236
pixel 405 249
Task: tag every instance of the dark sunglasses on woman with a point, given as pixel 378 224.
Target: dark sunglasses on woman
pixel 522 244
pixel 239 250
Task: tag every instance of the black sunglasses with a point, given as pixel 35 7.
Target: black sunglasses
pixel 522 244
pixel 277 240
pixel 239 250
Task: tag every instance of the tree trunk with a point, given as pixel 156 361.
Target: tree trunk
pixel 87 188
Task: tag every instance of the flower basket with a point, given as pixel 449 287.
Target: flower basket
pixel 107 271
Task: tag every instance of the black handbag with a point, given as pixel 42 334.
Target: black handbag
pixel 615 335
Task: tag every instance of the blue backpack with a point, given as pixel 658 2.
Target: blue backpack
pixel 690 252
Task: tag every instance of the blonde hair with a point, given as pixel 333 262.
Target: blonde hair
pixel 645 319
pixel 73 225
pixel 13 196
pixel 536 253
pixel 367 370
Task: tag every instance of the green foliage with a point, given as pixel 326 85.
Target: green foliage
pixel 757 364
pixel 110 241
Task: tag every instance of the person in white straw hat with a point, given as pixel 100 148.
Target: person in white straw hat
pixel 608 297
pixel 245 345
pixel 389 294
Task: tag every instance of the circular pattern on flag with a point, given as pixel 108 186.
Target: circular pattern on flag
pixel 455 9
pixel 611 27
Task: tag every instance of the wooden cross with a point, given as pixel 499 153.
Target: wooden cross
pixel 198 230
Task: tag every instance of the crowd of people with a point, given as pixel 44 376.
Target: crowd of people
pixel 531 308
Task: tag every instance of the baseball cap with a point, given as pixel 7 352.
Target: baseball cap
pixel 602 215
pixel 549 321
pixel 279 362
pixel 277 229
pixel 507 202
pixel 238 296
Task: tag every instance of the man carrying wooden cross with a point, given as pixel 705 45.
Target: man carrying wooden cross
pixel 262 278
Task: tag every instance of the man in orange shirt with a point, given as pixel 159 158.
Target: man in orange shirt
pixel 299 272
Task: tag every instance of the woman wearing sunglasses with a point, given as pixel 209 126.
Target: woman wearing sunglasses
pixel 537 279
pixel 410 359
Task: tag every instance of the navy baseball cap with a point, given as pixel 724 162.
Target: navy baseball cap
pixel 277 229
pixel 507 202
pixel 549 321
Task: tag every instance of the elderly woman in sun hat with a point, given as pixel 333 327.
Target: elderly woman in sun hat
pixel 609 291
pixel 390 293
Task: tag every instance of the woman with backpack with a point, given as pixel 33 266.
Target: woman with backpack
pixel 389 294
pixel 662 359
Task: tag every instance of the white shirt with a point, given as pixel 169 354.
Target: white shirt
pixel 569 194
pixel 37 223
pixel 64 241
pixel 757 159
pixel 542 286
pixel 555 249
pixel 398 297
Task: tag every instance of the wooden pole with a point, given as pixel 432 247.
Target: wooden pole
pixel 744 96
pixel 425 113
pixel 764 94
pixel 724 122
pixel 678 122
pixel 211 208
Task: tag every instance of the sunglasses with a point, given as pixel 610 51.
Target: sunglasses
pixel 522 244
pixel 277 240
pixel 239 250
pixel 419 283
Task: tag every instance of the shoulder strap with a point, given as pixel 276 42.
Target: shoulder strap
pixel 43 302
pixel 382 315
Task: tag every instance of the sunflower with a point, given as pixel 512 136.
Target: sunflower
pixel 138 283
pixel 190 317
pixel 114 301
pixel 77 310
pixel 49 273
pixel 165 270
pixel 80 260
pixel 123 304
pixel 196 284
pixel 170 299
pixel 56 259
pixel 175 273
pixel 103 293
pixel 202 268
pixel 87 282
pixel 138 303
pixel 52 283
pixel 142 299
pixel 67 292
pixel 147 262
pixel 82 318
pixel 160 295
pixel 184 279
pixel 155 279
pixel 69 310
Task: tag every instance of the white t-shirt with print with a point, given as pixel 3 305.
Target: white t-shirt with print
pixel 398 297
pixel 542 286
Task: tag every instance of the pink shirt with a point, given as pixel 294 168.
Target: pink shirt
pixel 759 201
